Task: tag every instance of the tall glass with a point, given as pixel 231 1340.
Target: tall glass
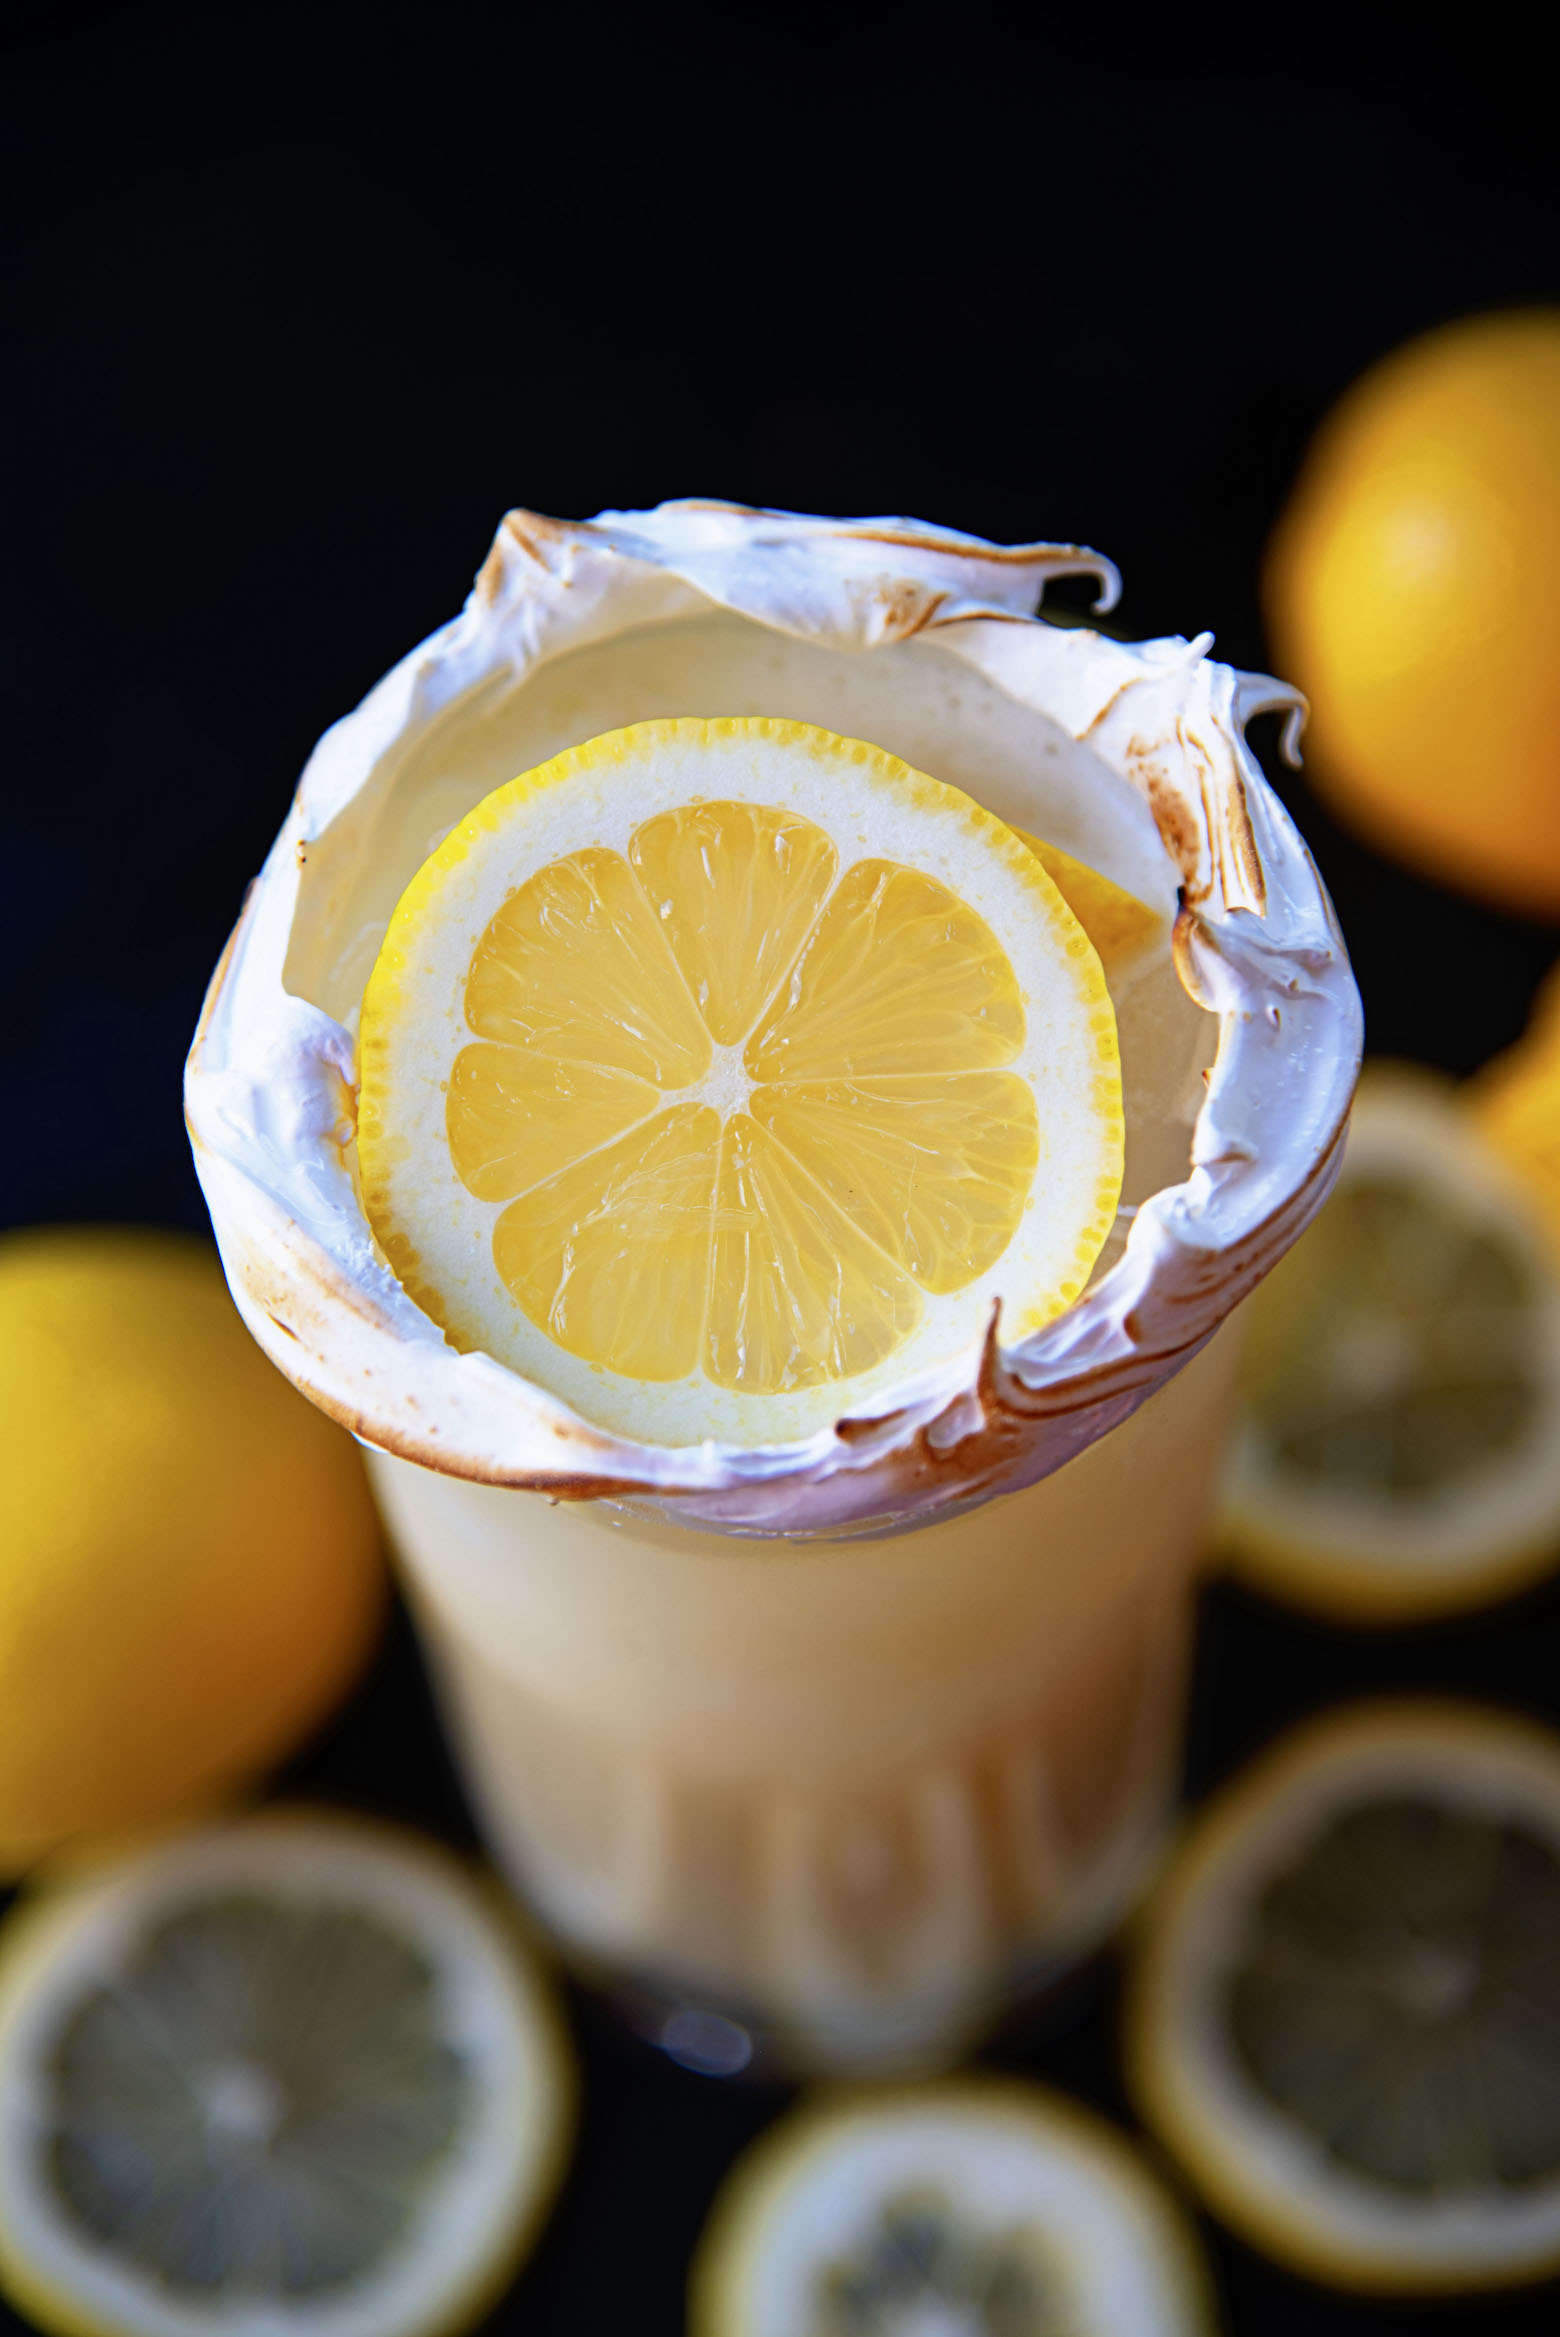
pixel 834 1751
pixel 841 1799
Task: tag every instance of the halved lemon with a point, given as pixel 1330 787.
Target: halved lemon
pixel 1398 1448
pixel 1344 2019
pixel 720 1072
pixel 984 2206
pixel 295 2076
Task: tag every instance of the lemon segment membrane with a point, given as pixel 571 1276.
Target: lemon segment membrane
pixel 717 1066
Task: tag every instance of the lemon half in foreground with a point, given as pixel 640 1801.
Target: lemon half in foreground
pixel 1398 1452
pixel 984 2206
pixel 719 1073
pixel 1345 2018
pixel 295 2075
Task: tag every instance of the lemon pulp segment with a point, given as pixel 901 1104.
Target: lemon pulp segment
pixel 783 1244
pixel 745 1095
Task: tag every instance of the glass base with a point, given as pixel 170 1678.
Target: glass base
pixel 713 2035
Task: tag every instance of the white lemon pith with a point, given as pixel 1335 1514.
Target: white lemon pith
pixel 719 1071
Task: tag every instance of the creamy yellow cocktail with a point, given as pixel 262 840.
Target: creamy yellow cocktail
pixel 845 1729
pixel 855 1796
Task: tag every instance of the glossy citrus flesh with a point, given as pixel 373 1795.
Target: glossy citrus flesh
pixel 741 1096
pixel 876 1155
pixel 1410 588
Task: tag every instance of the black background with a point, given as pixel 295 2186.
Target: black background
pixel 299 301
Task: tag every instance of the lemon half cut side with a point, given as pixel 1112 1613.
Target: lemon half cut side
pixel 297 2075
pixel 720 1073
pixel 1344 2017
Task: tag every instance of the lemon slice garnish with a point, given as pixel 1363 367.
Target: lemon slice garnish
pixel 295 2074
pixel 981 2204
pixel 1398 1451
pixel 1116 921
pixel 717 1072
pixel 1345 2016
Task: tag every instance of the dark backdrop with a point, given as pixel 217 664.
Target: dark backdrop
pixel 299 301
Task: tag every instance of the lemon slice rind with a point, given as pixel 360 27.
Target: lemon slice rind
pixel 1006 2156
pixel 1257 2170
pixel 1343 1554
pixel 465 2239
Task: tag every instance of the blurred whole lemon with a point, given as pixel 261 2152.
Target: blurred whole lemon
pixel 190 1565
pixel 1412 589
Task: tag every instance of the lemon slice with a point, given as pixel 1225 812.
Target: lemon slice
pixel 719 1073
pixel 293 2076
pixel 1120 926
pixel 1398 1453
pixel 982 2206
pixel 1345 2018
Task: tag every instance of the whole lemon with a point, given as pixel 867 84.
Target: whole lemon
pixel 190 1564
pixel 1412 589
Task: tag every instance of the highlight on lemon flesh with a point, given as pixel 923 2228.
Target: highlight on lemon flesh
pixel 983 2205
pixel 191 1571
pixel 296 2075
pixel 1397 1452
pixel 720 1072
pixel 1344 2017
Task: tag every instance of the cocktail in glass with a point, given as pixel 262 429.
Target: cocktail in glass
pixel 834 1749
